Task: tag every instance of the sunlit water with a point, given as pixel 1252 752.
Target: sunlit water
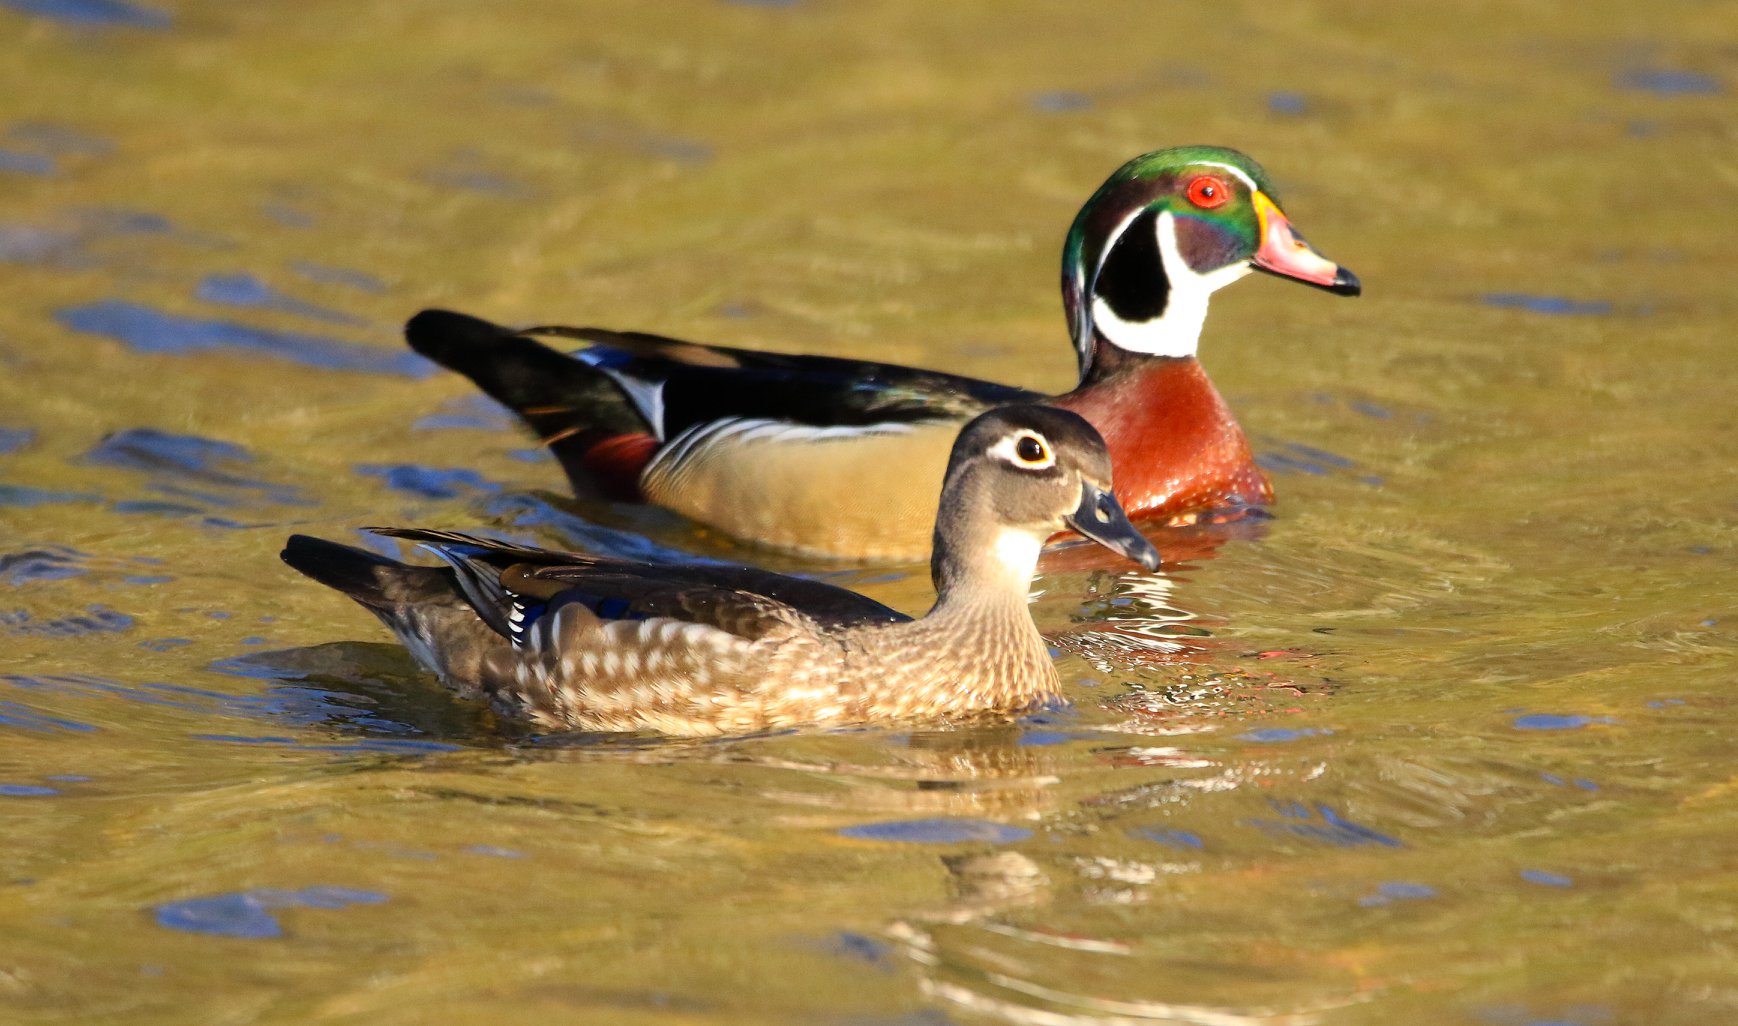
pixel 1449 740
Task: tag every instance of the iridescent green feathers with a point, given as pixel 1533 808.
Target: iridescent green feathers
pixel 1148 185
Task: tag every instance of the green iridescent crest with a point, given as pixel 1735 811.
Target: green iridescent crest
pixel 1158 163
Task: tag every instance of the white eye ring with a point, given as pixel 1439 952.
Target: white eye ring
pixel 1009 449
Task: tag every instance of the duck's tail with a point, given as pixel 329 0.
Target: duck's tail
pixel 423 605
pixel 578 409
pixel 378 583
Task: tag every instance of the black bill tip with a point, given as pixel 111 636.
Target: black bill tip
pixel 1100 518
pixel 1343 283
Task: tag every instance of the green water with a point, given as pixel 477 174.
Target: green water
pixel 1449 741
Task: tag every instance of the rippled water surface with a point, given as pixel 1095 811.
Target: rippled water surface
pixel 1449 740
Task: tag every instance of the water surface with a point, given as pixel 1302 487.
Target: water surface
pixel 1447 741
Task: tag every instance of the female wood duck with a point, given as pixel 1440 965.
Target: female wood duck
pixel 762 446
pixel 574 642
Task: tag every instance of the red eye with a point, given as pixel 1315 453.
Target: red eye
pixel 1208 192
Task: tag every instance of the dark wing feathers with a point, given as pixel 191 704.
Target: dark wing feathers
pixel 644 346
pixel 824 391
pixel 615 596
pixel 558 393
pixel 477 569
pixel 706 383
pixel 741 600
pixel 718 595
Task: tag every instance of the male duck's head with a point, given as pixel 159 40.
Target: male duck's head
pixel 1165 232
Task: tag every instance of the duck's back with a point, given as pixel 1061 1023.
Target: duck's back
pixel 568 641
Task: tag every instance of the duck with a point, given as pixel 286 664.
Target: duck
pixel 760 446
pixel 563 641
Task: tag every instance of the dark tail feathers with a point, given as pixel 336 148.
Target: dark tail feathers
pixel 556 394
pixel 423 605
pixel 378 583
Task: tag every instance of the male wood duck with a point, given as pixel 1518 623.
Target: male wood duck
pixel 763 446
pixel 575 642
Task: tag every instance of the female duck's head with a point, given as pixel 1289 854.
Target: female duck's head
pixel 1019 475
pixel 1165 232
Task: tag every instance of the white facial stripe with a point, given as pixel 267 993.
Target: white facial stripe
pixel 1176 332
pixel 1245 179
pixel 1007 449
pixel 1110 240
pixel 1083 339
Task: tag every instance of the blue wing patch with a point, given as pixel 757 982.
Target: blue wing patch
pixel 520 617
pixel 523 615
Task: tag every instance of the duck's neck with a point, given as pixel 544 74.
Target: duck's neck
pixel 981 619
pixel 1113 362
pixel 1174 442
pixel 989 572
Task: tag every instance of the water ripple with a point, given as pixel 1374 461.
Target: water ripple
pixel 942 830
pixel 92 12
pixel 149 330
pixel 248 913
pixel 247 290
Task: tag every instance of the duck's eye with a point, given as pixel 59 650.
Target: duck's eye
pixel 1207 192
pixel 1025 449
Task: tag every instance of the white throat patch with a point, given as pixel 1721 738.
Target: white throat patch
pixel 1017 552
pixel 1176 332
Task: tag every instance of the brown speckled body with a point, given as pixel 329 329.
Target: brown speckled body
pixel 673 677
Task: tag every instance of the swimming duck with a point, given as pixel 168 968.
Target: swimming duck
pixel 762 445
pixel 564 641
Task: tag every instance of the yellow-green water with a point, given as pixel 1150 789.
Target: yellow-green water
pixel 1450 741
